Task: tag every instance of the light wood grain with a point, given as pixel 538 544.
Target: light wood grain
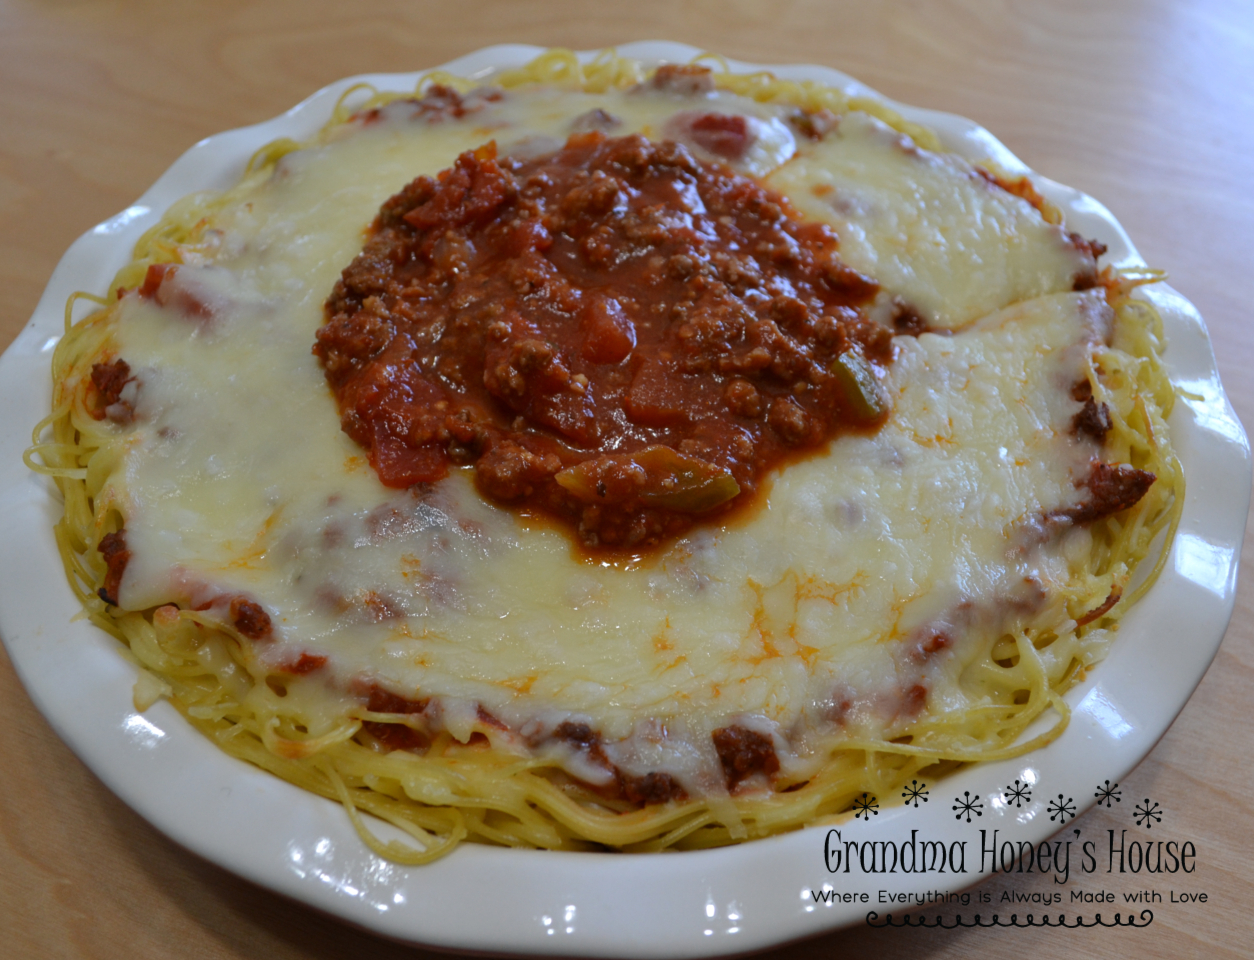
pixel 1146 105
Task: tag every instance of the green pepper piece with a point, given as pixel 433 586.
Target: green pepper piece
pixel 682 483
pixel 658 475
pixel 861 388
pixel 581 480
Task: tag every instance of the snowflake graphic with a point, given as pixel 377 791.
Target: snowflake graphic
pixel 967 805
pixel 866 805
pixel 914 793
pixel 1061 809
pixel 1144 814
pixel 1108 793
pixel 1019 794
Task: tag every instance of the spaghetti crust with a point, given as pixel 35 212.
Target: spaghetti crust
pixel 450 791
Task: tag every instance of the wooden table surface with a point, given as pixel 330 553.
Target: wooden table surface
pixel 1146 104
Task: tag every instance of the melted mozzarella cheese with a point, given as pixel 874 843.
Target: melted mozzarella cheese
pixel 528 123
pixel 930 228
pixel 805 617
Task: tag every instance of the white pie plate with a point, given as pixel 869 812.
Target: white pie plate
pixel 675 905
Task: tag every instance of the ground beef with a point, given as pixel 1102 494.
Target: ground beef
pixel 395 736
pixel 109 379
pixel 1112 487
pixel 305 664
pixel 250 618
pixel 685 79
pixel 744 752
pixel 1094 418
pixel 113 548
pixel 652 788
pixel 616 335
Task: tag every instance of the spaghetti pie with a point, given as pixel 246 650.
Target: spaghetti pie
pixel 612 458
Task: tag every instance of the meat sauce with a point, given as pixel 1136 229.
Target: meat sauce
pixel 116 556
pixel 616 335
pixel 109 379
pixel 1112 487
pixel 744 752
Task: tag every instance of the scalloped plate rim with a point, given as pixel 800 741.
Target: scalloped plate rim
pixel 690 904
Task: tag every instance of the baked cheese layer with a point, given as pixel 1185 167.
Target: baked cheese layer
pixel 812 618
pixel 928 226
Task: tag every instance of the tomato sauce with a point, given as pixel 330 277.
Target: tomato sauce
pixel 616 334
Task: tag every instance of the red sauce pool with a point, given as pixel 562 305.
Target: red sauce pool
pixel 616 335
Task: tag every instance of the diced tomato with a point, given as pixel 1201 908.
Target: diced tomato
pixel 400 465
pixel 656 398
pixel 609 335
pixel 724 135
